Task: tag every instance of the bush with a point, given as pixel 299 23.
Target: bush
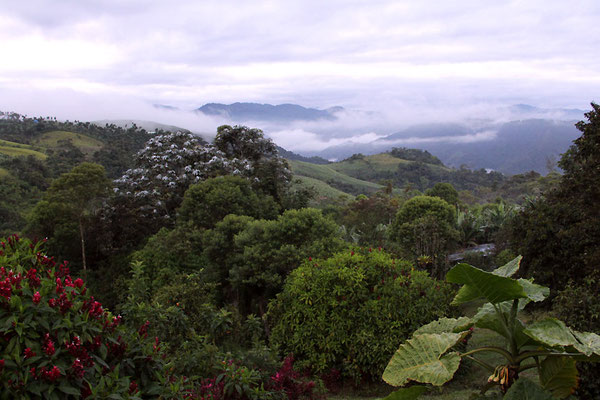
pixel 578 307
pixel 56 341
pixel 351 311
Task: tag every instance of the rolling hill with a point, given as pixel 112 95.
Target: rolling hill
pixel 14 149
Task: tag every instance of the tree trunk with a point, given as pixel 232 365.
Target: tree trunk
pixel 82 247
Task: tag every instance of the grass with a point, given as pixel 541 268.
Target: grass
pixel 14 149
pixel 372 166
pixel 4 173
pixel 333 178
pixel 324 191
pixel 52 140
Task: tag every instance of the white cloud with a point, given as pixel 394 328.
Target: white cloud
pixel 402 58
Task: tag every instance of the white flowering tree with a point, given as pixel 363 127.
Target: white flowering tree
pixel 148 195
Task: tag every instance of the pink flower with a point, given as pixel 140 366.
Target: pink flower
pixel 36 298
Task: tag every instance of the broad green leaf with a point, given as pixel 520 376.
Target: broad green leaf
pixel 410 393
pixel 423 359
pixel 524 389
pixel 551 332
pixel 534 292
pixel 590 340
pixel 478 284
pixel 487 318
pixel 509 269
pixel 559 375
pixel 445 325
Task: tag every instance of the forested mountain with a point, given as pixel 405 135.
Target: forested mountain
pixel 511 148
pixel 267 112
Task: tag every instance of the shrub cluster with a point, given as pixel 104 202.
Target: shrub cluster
pixel 351 311
pixel 56 341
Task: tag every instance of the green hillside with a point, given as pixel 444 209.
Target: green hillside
pixel 375 167
pixel 333 178
pixel 14 149
pixel 53 140
pixel 324 192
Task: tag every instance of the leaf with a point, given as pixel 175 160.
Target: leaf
pixel 445 325
pixel 524 389
pixel 534 292
pixel 509 269
pixel 551 332
pixel 478 284
pixel 69 390
pixel 559 375
pixel 590 340
pixel 423 359
pixel 410 393
pixel 487 318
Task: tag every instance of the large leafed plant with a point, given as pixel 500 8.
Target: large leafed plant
pixel 432 355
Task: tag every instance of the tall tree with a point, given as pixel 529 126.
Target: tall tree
pixel 75 196
pixel 559 235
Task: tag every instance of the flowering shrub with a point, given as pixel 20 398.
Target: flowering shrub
pixel 236 381
pixel 56 341
pixel 349 312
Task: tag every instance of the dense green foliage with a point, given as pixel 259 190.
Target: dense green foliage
pixel 415 155
pixel 262 253
pixel 57 342
pixel 73 199
pixel 424 226
pixel 208 202
pixel 559 234
pixel 444 191
pixel 196 241
pixel 578 306
pixel 350 311
pixel 432 356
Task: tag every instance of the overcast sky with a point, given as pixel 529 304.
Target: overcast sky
pixel 111 59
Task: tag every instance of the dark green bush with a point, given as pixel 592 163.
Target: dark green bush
pixel 577 305
pixel 351 311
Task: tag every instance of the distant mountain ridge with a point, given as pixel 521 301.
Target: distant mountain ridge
pixel 511 148
pixel 268 112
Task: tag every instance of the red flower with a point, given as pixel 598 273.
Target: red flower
pixel 29 353
pixel 48 345
pixel 77 368
pixel 78 283
pixel 144 329
pixel 1 365
pixel 133 387
pixel 51 375
pixel 36 298
pixel 34 280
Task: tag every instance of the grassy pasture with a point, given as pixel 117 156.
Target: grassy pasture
pixel 324 191
pixel 333 178
pixel 52 139
pixel 14 149
pixel 372 166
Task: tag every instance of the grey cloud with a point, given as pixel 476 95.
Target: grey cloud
pixel 400 58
